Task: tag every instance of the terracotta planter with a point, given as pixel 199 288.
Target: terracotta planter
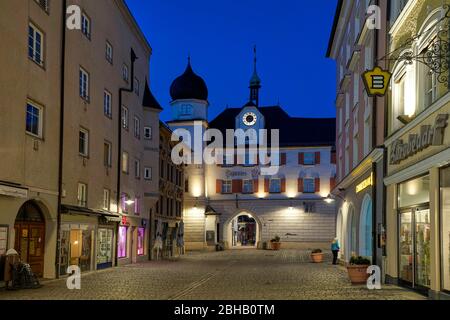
pixel 275 245
pixel 358 273
pixel 317 257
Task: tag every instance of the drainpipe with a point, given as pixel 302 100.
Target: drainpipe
pixel 61 136
pixel 133 58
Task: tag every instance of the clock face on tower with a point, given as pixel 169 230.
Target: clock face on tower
pixel 249 119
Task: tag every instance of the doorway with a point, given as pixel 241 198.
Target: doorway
pixel 30 236
pixel 243 231
pixel 414 247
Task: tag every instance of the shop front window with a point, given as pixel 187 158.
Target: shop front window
pixel 141 237
pixel 104 248
pixel 76 247
pixel 122 242
pixel 414 192
pixel 445 225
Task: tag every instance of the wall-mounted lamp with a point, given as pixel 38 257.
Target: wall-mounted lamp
pixel 331 198
pixel 129 202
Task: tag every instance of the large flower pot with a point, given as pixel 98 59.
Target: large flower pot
pixel 358 273
pixel 275 245
pixel 317 257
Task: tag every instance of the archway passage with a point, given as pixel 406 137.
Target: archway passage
pixel 243 231
pixel 30 236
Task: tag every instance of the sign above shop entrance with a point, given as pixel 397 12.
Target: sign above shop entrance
pixel 365 184
pixel 428 136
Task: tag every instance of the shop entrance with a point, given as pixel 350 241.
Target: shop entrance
pixel 414 247
pixel 30 236
pixel 243 231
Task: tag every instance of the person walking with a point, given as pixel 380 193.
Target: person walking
pixel 335 249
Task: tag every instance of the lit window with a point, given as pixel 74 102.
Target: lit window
pixel 83 147
pixel 122 242
pixel 140 244
pixel 35 45
pixel 34 120
pixel 125 162
pixel 82 195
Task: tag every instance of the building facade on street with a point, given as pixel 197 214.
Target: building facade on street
pixel 359 132
pixel 231 203
pixel 418 149
pixel 84 127
pixel 167 218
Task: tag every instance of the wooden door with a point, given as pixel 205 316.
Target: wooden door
pixel 30 239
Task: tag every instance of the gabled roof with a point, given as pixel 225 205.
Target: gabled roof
pixel 293 131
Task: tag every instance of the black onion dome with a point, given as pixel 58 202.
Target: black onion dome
pixel 189 86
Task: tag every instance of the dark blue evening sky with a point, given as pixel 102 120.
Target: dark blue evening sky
pixel 291 38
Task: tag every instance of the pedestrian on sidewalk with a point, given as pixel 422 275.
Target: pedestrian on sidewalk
pixel 335 249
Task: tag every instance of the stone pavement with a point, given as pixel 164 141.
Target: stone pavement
pixel 228 275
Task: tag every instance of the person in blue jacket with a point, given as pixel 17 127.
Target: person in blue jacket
pixel 335 249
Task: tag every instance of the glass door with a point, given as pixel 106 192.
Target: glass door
pixel 423 232
pixel 414 247
pixel 406 248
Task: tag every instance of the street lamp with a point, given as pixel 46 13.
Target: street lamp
pixel 332 198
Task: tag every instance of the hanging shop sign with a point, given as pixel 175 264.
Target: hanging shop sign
pixel 428 136
pixel 366 183
pixel 376 81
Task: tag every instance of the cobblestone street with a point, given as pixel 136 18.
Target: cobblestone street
pixel 238 274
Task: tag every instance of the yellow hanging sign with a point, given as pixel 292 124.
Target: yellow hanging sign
pixel 376 81
pixel 365 184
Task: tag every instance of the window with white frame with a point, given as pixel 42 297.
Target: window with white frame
pixel 107 101
pixel 136 86
pixel 86 25
pixel 429 85
pixel 226 186
pixel 84 84
pixel 137 169
pixel 34 119
pixel 275 185
pixel 109 52
pixel 309 185
pixel 125 117
pixel 137 127
pixel 125 73
pixel 148 133
pixel 247 186
pixel 35 44
pixel 398 105
pixel 82 195
pixel 125 164
pixel 107 150
pixel 83 147
pixel 148 173
pixel 106 199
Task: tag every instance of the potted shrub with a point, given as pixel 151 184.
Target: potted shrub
pixel 275 243
pixel 317 256
pixel 357 270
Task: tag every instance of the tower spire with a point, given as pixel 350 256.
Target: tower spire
pixel 255 82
